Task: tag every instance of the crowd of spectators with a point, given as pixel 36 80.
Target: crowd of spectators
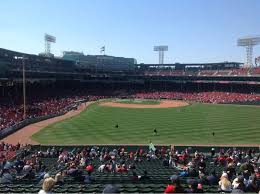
pixel 8 151
pixel 221 72
pixel 240 170
pixel 204 97
pixel 43 103
pixel 11 114
pixel 230 170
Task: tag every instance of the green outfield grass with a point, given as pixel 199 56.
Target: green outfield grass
pixel 191 124
pixel 137 101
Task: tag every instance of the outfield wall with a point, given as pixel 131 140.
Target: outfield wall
pixel 191 149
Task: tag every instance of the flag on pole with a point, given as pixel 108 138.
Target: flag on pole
pixel 102 49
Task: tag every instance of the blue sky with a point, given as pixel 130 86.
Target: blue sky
pixel 194 30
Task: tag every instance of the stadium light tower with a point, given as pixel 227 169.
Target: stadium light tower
pixel 257 61
pixel 249 43
pixel 23 59
pixel 161 50
pixel 48 39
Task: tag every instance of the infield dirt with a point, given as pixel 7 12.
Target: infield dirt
pixel 163 104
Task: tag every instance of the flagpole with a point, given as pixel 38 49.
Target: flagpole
pixel 103 50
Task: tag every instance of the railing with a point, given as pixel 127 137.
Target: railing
pixel 128 148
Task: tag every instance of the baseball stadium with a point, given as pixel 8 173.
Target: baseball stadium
pixel 135 126
pixel 82 123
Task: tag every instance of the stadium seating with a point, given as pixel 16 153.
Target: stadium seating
pixel 205 97
pixel 255 71
pixel 207 72
pixel 154 164
pixel 241 71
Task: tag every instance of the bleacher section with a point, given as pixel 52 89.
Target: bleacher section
pixel 159 174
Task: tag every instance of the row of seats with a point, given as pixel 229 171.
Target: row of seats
pixel 94 188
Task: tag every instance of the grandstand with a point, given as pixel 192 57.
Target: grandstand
pixel 55 86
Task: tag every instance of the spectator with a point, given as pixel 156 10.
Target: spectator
pixel 238 185
pixel 47 186
pixel 193 187
pixel 225 184
pixel 88 178
pixel 5 176
pixel 253 185
pixel 59 179
pixel 178 188
pixel 231 171
pixel 213 152
pixel 212 179
pixel 89 168
pixel 170 189
pixel 101 168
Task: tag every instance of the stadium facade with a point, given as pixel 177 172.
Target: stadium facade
pixel 100 62
pixel 124 73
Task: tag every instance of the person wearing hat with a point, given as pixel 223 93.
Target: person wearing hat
pixel 213 152
pixel 224 184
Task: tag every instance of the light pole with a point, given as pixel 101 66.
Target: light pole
pixel 24 90
pixel 161 50
pixel 249 43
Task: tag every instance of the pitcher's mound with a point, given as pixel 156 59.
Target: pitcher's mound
pixel 162 104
